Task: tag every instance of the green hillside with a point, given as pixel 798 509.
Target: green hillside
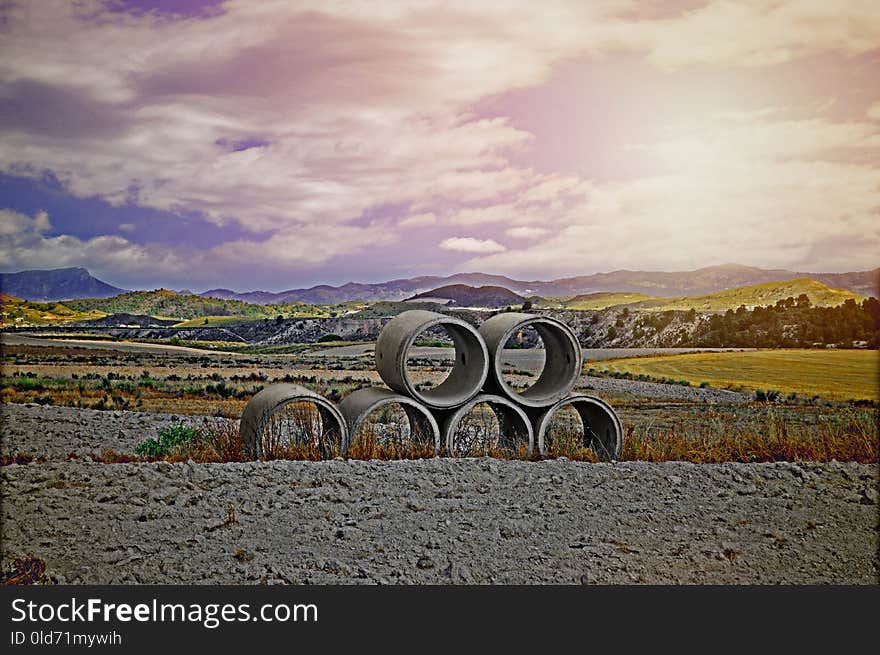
pixel 755 295
pixel 17 312
pixel 162 303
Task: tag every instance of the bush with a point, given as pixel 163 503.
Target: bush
pixel 172 437
pixel 329 337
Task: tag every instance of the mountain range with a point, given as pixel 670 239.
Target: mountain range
pixel 72 283
pixel 653 283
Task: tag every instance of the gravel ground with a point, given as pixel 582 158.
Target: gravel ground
pixel 444 521
pixel 665 391
pixel 427 521
pixel 54 432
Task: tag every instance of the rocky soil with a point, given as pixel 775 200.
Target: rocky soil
pixel 427 521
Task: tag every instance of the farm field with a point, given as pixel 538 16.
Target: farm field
pixel 829 374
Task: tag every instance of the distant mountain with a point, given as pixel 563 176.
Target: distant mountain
pixel 56 284
pixel 394 290
pixel 864 283
pixel 653 283
pixel 463 295
pixel 702 281
pixel 77 283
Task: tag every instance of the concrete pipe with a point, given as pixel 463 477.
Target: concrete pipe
pixel 602 429
pixel 358 405
pixel 468 372
pixel 562 358
pixel 513 424
pixel 332 434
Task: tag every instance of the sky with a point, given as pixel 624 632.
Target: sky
pixel 280 144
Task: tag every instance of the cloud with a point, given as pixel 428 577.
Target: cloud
pixel 28 245
pixel 469 244
pixel 25 243
pixel 755 33
pixel 418 220
pixel 525 232
pixel 295 121
pixel 770 193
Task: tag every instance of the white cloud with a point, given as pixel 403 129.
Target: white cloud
pixel 469 244
pixel 525 232
pixel 756 32
pixel 801 195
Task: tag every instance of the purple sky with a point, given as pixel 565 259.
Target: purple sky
pixel 281 144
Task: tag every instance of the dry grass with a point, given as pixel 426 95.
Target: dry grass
pixel 298 431
pixel 480 434
pixel 388 433
pixel 369 446
pixel 848 437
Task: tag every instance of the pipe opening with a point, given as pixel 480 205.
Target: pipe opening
pixel 489 429
pixel 437 368
pixel 522 359
pixel 430 358
pixel 300 429
pixel 577 425
pixel 538 362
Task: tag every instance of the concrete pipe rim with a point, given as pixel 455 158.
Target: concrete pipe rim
pixel 580 403
pixel 463 334
pixel 383 399
pixel 275 397
pixel 556 332
pixel 454 417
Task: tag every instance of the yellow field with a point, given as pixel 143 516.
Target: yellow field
pixel 832 374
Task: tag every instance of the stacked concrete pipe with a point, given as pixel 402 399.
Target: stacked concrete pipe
pixel 476 378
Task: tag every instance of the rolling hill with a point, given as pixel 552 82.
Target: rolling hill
pixel 603 300
pixel 463 295
pixel 18 312
pixel 165 304
pixel 755 295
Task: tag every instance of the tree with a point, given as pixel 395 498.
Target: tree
pixel 527 305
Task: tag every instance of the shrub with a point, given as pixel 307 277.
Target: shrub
pixel 173 437
pixel 329 337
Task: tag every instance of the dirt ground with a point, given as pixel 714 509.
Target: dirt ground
pixel 425 521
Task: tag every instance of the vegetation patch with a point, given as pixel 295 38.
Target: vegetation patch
pixel 176 436
pixel 26 570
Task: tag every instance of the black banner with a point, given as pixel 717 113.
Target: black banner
pixel 135 619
